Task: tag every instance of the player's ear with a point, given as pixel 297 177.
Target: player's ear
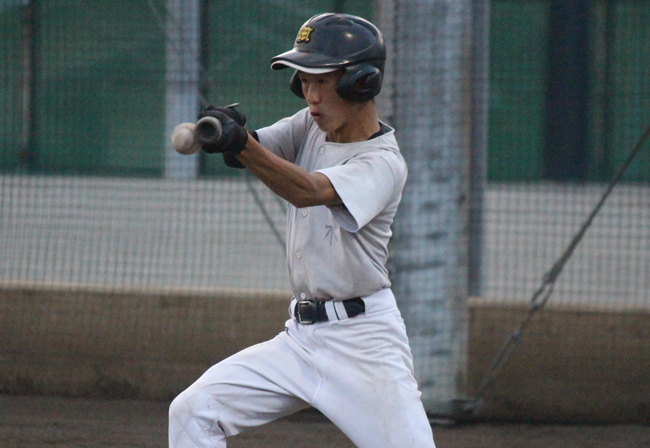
pixel 360 83
pixel 296 85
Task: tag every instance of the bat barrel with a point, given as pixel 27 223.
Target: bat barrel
pixel 208 130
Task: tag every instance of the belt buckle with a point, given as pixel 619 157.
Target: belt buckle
pixel 309 308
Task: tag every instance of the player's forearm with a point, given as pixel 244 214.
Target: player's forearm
pixel 287 180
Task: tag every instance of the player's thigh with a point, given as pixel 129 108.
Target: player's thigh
pixel 371 393
pixel 250 388
pixel 384 416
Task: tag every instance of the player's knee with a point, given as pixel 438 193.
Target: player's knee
pixel 180 412
pixel 188 404
pixel 190 413
pixel 178 408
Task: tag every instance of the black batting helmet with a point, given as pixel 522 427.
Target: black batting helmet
pixel 328 42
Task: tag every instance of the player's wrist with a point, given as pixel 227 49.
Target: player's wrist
pixel 238 140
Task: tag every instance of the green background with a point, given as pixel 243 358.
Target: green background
pixel 99 82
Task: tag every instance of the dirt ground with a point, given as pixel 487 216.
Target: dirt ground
pixel 38 422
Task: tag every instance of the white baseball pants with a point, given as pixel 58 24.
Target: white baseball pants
pixel 358 372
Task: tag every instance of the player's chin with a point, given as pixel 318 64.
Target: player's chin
pixel 324 124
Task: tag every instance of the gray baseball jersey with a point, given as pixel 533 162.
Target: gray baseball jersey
pixel 357 371
pixel 340 252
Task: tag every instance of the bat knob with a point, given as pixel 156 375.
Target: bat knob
pixel 208 130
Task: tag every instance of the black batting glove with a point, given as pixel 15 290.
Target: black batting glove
pixel 232 161
pixel 230 111
pixel 233 138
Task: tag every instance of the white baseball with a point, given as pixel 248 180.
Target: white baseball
pixel 183 139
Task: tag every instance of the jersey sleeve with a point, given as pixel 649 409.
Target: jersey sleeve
pixel 365 185
pixel 285 136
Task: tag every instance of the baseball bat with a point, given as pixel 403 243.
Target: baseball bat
pixel 208 130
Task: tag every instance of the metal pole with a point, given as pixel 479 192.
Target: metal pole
pixel 434 74
pixel 478 167
pixel 27 158
pixel 183 81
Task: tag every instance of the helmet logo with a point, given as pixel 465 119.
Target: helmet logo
pixel 304 35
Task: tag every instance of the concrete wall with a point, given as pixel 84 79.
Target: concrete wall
pixel 125 344
pixel 573 365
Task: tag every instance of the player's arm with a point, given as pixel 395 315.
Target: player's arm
pixel 289 181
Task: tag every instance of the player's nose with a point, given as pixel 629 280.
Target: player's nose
pixel 311 93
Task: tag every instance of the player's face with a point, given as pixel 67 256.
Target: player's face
pixel 330 112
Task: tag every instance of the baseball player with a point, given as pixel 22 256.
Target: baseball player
pixel 344 350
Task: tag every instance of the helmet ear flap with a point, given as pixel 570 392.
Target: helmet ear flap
pixel 296 85
pixel 360 83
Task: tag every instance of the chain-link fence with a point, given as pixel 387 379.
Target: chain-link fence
pixel 92 194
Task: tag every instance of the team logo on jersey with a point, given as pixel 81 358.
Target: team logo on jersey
pixel 304 35
pixel 330 233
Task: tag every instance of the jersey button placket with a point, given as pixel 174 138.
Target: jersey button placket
pixel 303 213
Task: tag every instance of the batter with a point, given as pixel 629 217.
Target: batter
pixel 344 349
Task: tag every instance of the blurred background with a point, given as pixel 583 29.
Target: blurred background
pixel 513 115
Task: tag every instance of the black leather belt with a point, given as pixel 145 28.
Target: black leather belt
pixel 309 312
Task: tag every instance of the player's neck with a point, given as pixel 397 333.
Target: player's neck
pixel 361 124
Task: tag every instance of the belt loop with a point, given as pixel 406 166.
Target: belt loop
pixel 341 312
pixel 331 312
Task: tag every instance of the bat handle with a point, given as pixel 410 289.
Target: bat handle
pixel 208 130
